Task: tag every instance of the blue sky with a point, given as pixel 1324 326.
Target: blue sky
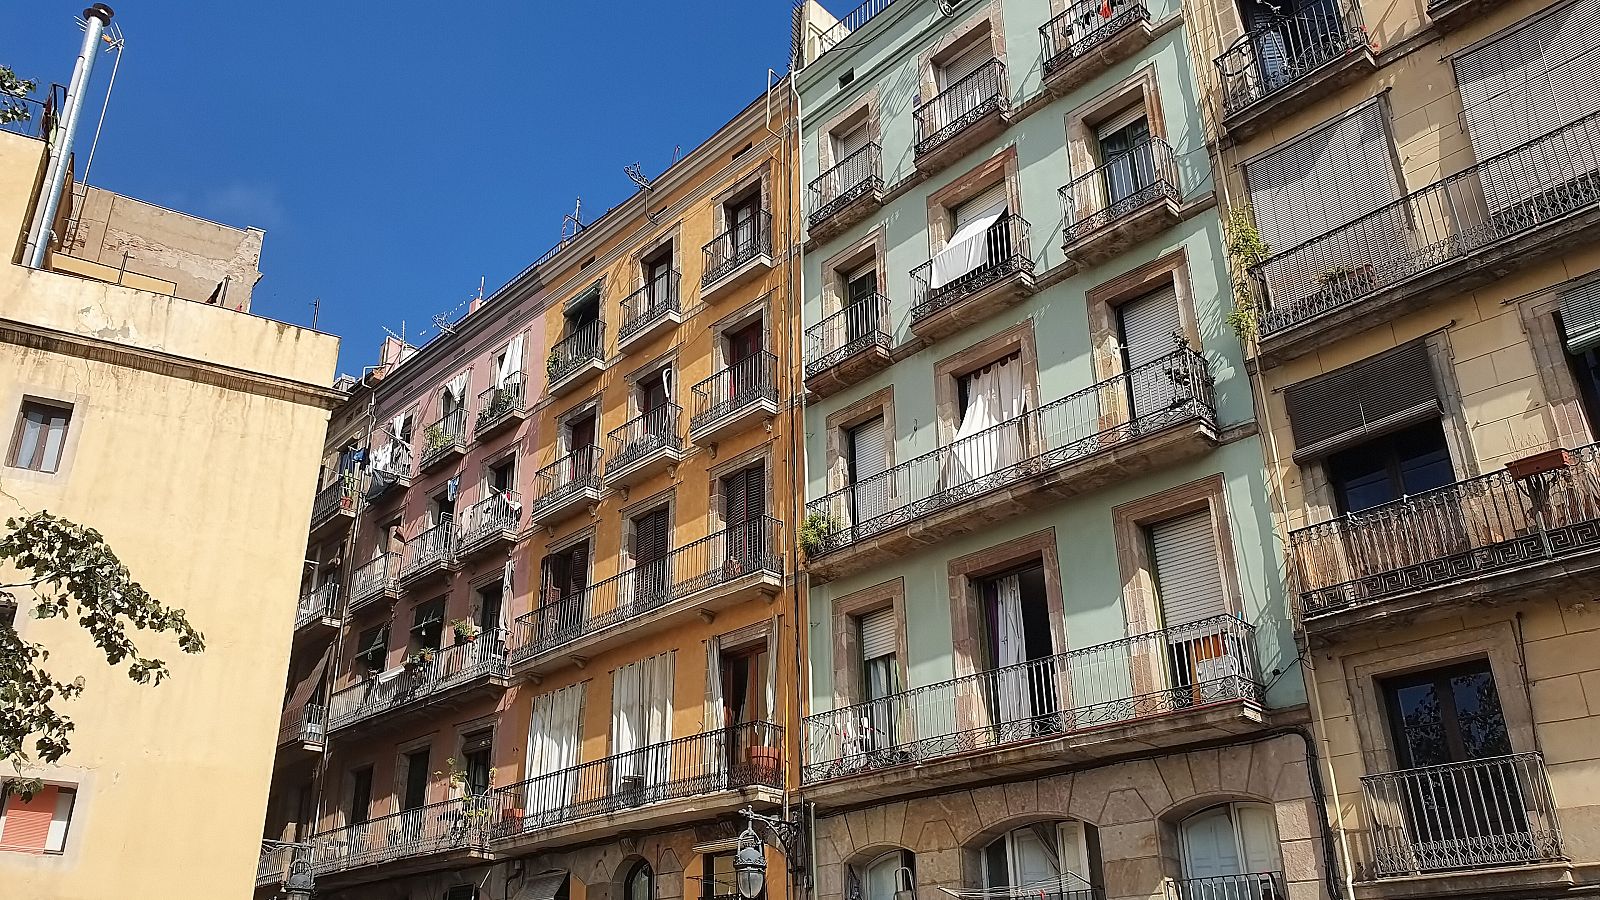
pixel 395 153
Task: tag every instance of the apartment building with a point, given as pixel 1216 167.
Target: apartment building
pixel 185 431
pixel 564 658
pixel 1050 651
pixel 1423 185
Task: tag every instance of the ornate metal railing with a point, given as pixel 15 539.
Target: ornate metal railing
pixel 447 434
pixel 740 385
pixel 435 546
pixel 393 468
pixel 738 245
pixel 319 602
pixel 1174 389
pixel 495 514
pixel 373 577
pixel 568 476
pixel 496 403
pixel 1121 185
pixel 460 824
pixel 1518 191
pixel 339 494
pixel 855 329
pixel 276 859
pixel 1251 886
pixel 29 117
pixel 307 724
pixel 1470 528
pixel 1085 25
pixel 854 176
pixel 1466 815
pixel 647 305
pixel 849 22
pixel 420 679
pixel 949 112
pixel 744 548
pixel 644 434
pixel 1006 253
pixel 740 756
pixel 1173 670
pixel 1279 54
pixel 576 350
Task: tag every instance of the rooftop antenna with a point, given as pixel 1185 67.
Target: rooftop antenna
pixel 575 218
pixel 316 309
pixel 635 174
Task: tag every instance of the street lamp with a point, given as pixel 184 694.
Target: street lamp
pixel 750 865
pixel 299 885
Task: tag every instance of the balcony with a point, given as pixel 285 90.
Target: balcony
pixel 736 256
pixel 728 567
pixel 444 441
pixel 962 117
pixel 436 836
pixel 576 358
pixel 373 581
pixel 318 609
pixel 303 728
pixel 950 296
pixel 430 553
pixel 453 674
pixel 848 346
pixel 649 311
pixel 735 398
pixel 1449 15
pixel 1441 241
pixel 660 786
pixel 1130 198
pixel 644 446
pixel 845 194
pixel 1090 37
pixel 334 507
pixel 1183 684
pixel 490 524
pixel 502 407
pixel 1462 818
pixel 1273 70
pixel 276 859
pixel 565 487
pixel 390 473
pixel 1491 535
pixel 1153 416
pixel 1250 886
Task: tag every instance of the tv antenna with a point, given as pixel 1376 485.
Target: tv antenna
pixel 575 218
pixel 635 174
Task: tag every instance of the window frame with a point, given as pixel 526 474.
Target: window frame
pixel 19 428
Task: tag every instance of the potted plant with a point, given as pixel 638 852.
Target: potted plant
pixel 466 630
pixel 434 437
pixel 552 366
pixel 815 529
pixel 766 760
pixel 1345 280
pixel 420 658
pixel 1540 463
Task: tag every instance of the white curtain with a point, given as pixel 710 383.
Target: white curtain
pixel 771 706
pixel 641 717
pixel 666 383
pixel 967 248
pixel 457 389
pixel 994 395
pixel 715 749
pixel 1011 687
pixel 504 623
pixel 552 753
pixel 510 363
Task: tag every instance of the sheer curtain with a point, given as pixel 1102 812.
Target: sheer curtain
pixel 552 753
pixel 1011 684
pixel 994 395
pixel 641 721
pixel 510 363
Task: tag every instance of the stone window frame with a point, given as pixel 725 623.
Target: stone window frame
pixel 670 238
pixel 589 534
pixel 1135 564
pixel 847 611
pixel 865 110
pixel 757 309
pixel 880 402
pixel 759 177
pixel 668 499
pixel 989 16
pixel 1143 87
pixel 966 619
pixel 487 464
pixel 872 247
pixel 1106 298
pixel 590 406
pixel 943 202
pixel 1572 427
pixel 630 381
pixel 1018 339
pixel 716 517
pixel 398 773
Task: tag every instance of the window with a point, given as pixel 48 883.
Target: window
pixel 653 392
pixel 988 397
pixel 658 278
pixel 1187 572
pixel 1223 844
pixel 1578 324
pixel 850 139
pixel 1371 398
pixel 744 508
pixel 640 883
pixel 1446 715
pixel 1018 646
pixel 582 312
pixel 1147 329
pixel 641 716
pixel 427 625
pixel 891 876
pixel 360 796
pixel 866 448
pixel 40 435
pixel 491 599
pixel 718 881
pixel 580 431
pixel 8 615
pixel 1389 467
pixel 1043 859
pixel 741 214
pixel 37 824
pixel 744 684
pixel 565 574
pixel 1124 145
pixel 475 749
pixel 963 61
pixel 651 553
pixel 502 476
pixel 372 648
pixel 442 507
pixel 880 674
pixel 415 783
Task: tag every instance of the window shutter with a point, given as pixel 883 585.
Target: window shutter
pixel 975 207
pixel 37 825
pixel 1148 323
pixel 1361 401
pixel 878 634
pixel 849 142
pixel 869 459
pixel 650 537
pixel 477 742
pixel 1188 574
pixel 578 569
pixel 1326 179
pixel 965 62
pixel 1580 317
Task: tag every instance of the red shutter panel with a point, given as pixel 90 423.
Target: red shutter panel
pixel 27 822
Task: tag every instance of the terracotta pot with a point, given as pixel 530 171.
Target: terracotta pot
pixel 1539 463
pixel 768 759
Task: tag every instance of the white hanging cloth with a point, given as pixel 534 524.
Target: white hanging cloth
pixel 552 753
pixel 503 623
pixel 511 363
pixel 1011 687
pixel 994 395
pixel 966 249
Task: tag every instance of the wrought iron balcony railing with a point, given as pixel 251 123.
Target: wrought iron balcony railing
pixel 1250 886
pixel 415 682
pixel 576 350
pixel 566 477
pixel 854 176
pixel 741 549
pixel 1085 25
pixel 1120 186
pixel 317 603
pixel 1170 671
pixel 1466 815
pixel 433 547
pixel 849 22
pixel 740 756
pixel 1174 389
pixel 498 403
pixel 1464 530
pixel 306 724
pixel 32 118
pixel 644 434
pixel 496 514
pixel 1283 52
pixel 339 494
pixel 648 305
pixel 855 329
pixel 741 243
pixel 454 825
pixel 276 859
pixel 1504 196
pixel 443 436
pixel 743 384
pixel 1006 253
pixel 373 577
pixel 947 113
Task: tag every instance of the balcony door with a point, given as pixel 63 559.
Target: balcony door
pixel 877 635
pixel 652 394
pixel 1149 327
pixel 1230 852
pixel 1021 687
pixel 1125 157
pixel 641 726
pixel 580 440
pixel 746 675
pixel 564 582
pixel 745 372
pixel 553 741
pixel 992 435
pixel 658 279
pixel 1187 572
pixel 414 794
pixel 744 508
pixel 742 217
pixel 959 92
pixel 866 467
pixel 861 318
pixel 652 571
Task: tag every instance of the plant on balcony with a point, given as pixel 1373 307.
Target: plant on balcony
pixel 815 529
pixel 466 630
pixel 11 86
pixel 499 404
pixel 552 366
pixel 1345 280
pixel 420 658
pixel 435 437
pixel 1243 244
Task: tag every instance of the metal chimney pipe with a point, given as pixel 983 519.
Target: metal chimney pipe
pixel 95 19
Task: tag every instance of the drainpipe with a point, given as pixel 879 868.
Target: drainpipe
pixel 95 19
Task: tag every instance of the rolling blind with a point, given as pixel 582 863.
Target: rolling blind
pixel 1148 324
pixel 869 459
pixel 877 634
pixel 849 142
pixel 965 62
pixel 976 207
pixel 1580 317
pixel 1334 175
pixel 1361 401
pixel 1188 573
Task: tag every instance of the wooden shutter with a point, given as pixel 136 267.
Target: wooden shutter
pixel 744 343
pixel 650 537
pixel 1188 573
pixel 1361 401
pixel 580 433
pixel 1336 174
pixel 744 495
pixel 577 561
pixel 1148 324
pixel 1580 317
pixel 878 634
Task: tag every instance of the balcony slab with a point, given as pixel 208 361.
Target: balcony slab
pixel 385 870
pixel 510 418
pixel 426 707
pixel 845 211
pixel 870 360
pixel 485 542
pixel 745 272
pixel 1125 232
pixel 1282 103
pixel 1005 292
pixel 580 375
pixel 986 124
pixel 1067 71
pixel 1469 883
pixel 650 817
pixel 389 593
pixel 734 420
pixel 439 457
pixel 1450 15
pixel 336 522
pixel 568 504
pixel 643 466
pixel 418 576
pixel 661 323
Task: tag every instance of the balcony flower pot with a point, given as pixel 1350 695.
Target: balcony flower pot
pixel 1346 281
pixel 1539 463
pixel 764 760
